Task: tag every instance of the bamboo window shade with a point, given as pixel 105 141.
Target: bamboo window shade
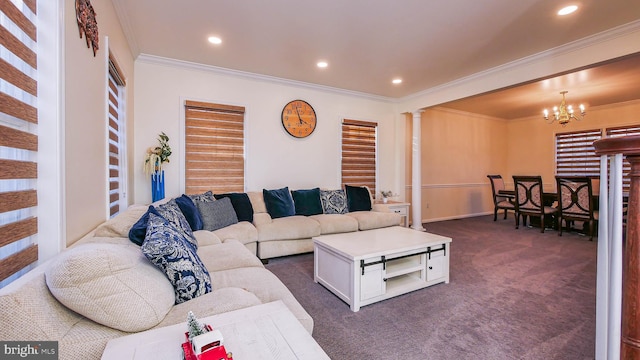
pixel 575 154
pixel 115 97
pixel 359 153
pixel 214 148
pixel 18 139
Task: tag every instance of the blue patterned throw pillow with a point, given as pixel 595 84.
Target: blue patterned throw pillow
pixel 334 201
pixel 171 211
pixel 204 197
pixel 168 249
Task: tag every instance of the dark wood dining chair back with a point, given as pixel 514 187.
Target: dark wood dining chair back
pixel 529 200
pixel 504 202
pixel 575 201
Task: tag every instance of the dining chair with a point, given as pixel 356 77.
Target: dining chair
pixel 529 202
pixel 500 201
pixel 575 202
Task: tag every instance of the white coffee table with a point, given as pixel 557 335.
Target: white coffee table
pixel 364 267
pixel 267 331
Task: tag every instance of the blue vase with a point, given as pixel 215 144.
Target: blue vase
pixel 157 186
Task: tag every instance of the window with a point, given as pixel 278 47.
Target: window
pixel 575 154
pixel 214 148
pixel 116 138
pixel 359 153
pixel 18 139
pixel 626 166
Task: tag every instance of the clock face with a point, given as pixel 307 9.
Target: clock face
pixel 299 118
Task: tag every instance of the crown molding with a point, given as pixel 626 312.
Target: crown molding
pixel 159 60
pixel 588 41
pixel 125 24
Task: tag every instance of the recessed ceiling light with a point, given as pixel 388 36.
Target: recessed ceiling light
pixel 567 10
pixel 215 40
pixel 322 64
pixel 397 81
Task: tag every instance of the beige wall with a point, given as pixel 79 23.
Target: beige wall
pixel 460 149
pixel 85 129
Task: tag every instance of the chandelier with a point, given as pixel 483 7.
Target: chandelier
pixel 564 113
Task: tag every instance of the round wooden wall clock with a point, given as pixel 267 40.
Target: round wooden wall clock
pixel 299 118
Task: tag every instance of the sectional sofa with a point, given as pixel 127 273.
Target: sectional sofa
pixel 104 286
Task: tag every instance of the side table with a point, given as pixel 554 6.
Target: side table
pixel 266 331
pixel 397 207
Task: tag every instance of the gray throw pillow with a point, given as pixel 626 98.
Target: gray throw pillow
pixel 217 214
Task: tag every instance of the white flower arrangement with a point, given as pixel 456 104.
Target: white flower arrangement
pixel 387 194
pixel 155 157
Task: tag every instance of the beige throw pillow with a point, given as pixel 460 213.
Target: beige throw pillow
pixel 114 285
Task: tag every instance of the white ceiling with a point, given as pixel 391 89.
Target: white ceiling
pixel 367 43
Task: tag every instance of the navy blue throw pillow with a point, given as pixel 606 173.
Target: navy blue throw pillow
pixel 241 204
pixel 279 202
pixel 307 202
pixel 139 230
pixel 190 212
pixel 358 198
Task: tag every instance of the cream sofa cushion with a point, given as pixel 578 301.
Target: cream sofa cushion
pixel 335 223
pixel 229 255
pixel 288 228
pixel 368 220
pixel 113 285
pixel 205 238
pixel 120 225
pixel 243 231
pixel 257 202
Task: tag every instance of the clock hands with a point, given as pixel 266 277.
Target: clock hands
pixel 298 112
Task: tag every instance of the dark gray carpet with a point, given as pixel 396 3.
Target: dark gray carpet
pixel 514 294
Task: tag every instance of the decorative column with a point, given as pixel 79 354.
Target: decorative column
pixel 416 173
pixel 628 343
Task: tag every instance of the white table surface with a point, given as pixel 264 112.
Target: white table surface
pixel 370 243
pixel 267 331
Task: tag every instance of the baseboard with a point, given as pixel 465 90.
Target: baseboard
pixel 457 217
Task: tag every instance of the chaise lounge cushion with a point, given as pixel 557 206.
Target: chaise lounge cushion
pixel 113 285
